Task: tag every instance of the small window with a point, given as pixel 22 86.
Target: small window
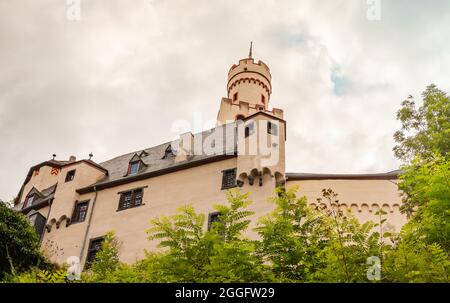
pixel 263 100
pixel 70 175
pixel 235 96
pixel 80 211
pixel 229 178
pixel 133 168
pixel 249 129
pixel 131 199
pixel 168 152
pixel 28 201
pixel 240 117
pixel 213 217
pixel 272 128
pixel 94 246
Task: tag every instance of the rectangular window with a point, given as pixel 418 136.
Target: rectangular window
pixel 80 211
pixel 235 96
pixel 249 129
pixel 213 217
pixel 94 246
pixel 263 100
pixel 70 175
pixel 272 128
pixel 229 178
pixel 131 198
pixel 134 168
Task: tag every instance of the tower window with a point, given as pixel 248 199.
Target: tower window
pixel 133 168
pixel 213 217
pixel 70 175
pixel 272 128
pixel 249 129
pixel 240 117
pixel 130 199
pixel 235 96
pixel 229 178
pixel 94 246
pixel 263 100
pixel 80 211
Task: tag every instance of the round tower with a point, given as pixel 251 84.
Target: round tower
pixel 250 82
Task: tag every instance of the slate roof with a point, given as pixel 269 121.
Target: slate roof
pixel 156 162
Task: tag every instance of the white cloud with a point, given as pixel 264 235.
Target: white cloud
pixel 114 81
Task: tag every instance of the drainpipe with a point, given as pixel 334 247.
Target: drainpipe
pixel 88 225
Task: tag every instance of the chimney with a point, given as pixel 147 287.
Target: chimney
pixel 185 147
pixel 72 159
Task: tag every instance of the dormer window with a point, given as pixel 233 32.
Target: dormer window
pixel 28 201
pixel 168 152
pixel 249 129
pixel 134 168
pixel 135 165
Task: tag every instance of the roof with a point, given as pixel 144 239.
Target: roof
pixel 157 164
pixel 311 176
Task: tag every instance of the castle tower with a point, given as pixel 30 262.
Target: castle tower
pixel 261 132
pixel 248 91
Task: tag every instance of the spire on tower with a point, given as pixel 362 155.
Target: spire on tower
pixel 251 49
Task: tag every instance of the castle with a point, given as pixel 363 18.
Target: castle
pixel 74 203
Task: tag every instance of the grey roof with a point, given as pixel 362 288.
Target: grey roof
pixel 154 159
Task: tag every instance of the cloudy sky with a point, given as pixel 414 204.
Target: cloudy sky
pixel 116 80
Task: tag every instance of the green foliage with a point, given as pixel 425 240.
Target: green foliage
pixel 425 130
pixel 217 255
pixel 426 199
pixel 19 245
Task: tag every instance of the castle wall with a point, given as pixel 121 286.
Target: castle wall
pixel 363 197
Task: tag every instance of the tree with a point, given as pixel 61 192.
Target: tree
pixel 303 244
pixel 425 130
pixel 19 245
pixel 220 254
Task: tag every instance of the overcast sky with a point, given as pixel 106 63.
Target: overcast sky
pixel 115 81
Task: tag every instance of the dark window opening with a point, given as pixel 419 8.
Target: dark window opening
pixel 80 211
pixel 249 129
pixel 70 175
pixel 235 96
pixel 272 128
pixel 38 221
pixel 229 178
pixel 131 199
pixel 133 168
pixel 263 100
pixel 94 246
pixel 213 217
